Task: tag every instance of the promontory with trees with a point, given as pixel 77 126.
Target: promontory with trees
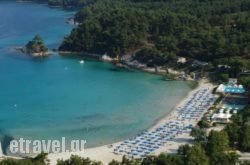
pixel 157 32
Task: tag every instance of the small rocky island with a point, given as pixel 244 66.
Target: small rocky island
pixel 36 47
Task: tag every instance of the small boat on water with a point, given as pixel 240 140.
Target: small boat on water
pixel 81 61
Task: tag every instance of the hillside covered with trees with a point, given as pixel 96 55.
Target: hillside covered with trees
pixel 204 30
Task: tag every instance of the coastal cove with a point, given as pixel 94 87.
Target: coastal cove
pixel 59 97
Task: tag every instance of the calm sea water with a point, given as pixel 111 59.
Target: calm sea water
pixel 57 97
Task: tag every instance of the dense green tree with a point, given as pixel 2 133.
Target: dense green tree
pixel 245 81
pixel 244 139
pixel 245 163
pixel 246 115
pixel 232 130
pixel 203 123
pixel 224 159
pixel 239 130
pixel 114 162
pixel 38 160
pixel 163 159
pixel 76 160
pixel 196 156
pixel 183 150
pixel 198 133
pixel 224 77
pixel 36 45
pixel 217 142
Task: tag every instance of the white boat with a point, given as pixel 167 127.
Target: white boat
pixel 81 62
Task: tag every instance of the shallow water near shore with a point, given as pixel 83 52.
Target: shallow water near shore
pixel 59 97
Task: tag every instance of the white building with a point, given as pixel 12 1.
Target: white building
pixel 181 60
pixel 232 81
pixel 221 117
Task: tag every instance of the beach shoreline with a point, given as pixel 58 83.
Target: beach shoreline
pixel 106 154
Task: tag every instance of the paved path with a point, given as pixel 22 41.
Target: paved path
pixel 244 156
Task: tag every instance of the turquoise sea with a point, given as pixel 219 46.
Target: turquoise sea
pixel 58 97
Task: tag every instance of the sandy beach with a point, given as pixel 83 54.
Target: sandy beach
pixel 106 154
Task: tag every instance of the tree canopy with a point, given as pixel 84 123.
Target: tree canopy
pixel 36 45
pixel 204 30
pixel 239 131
